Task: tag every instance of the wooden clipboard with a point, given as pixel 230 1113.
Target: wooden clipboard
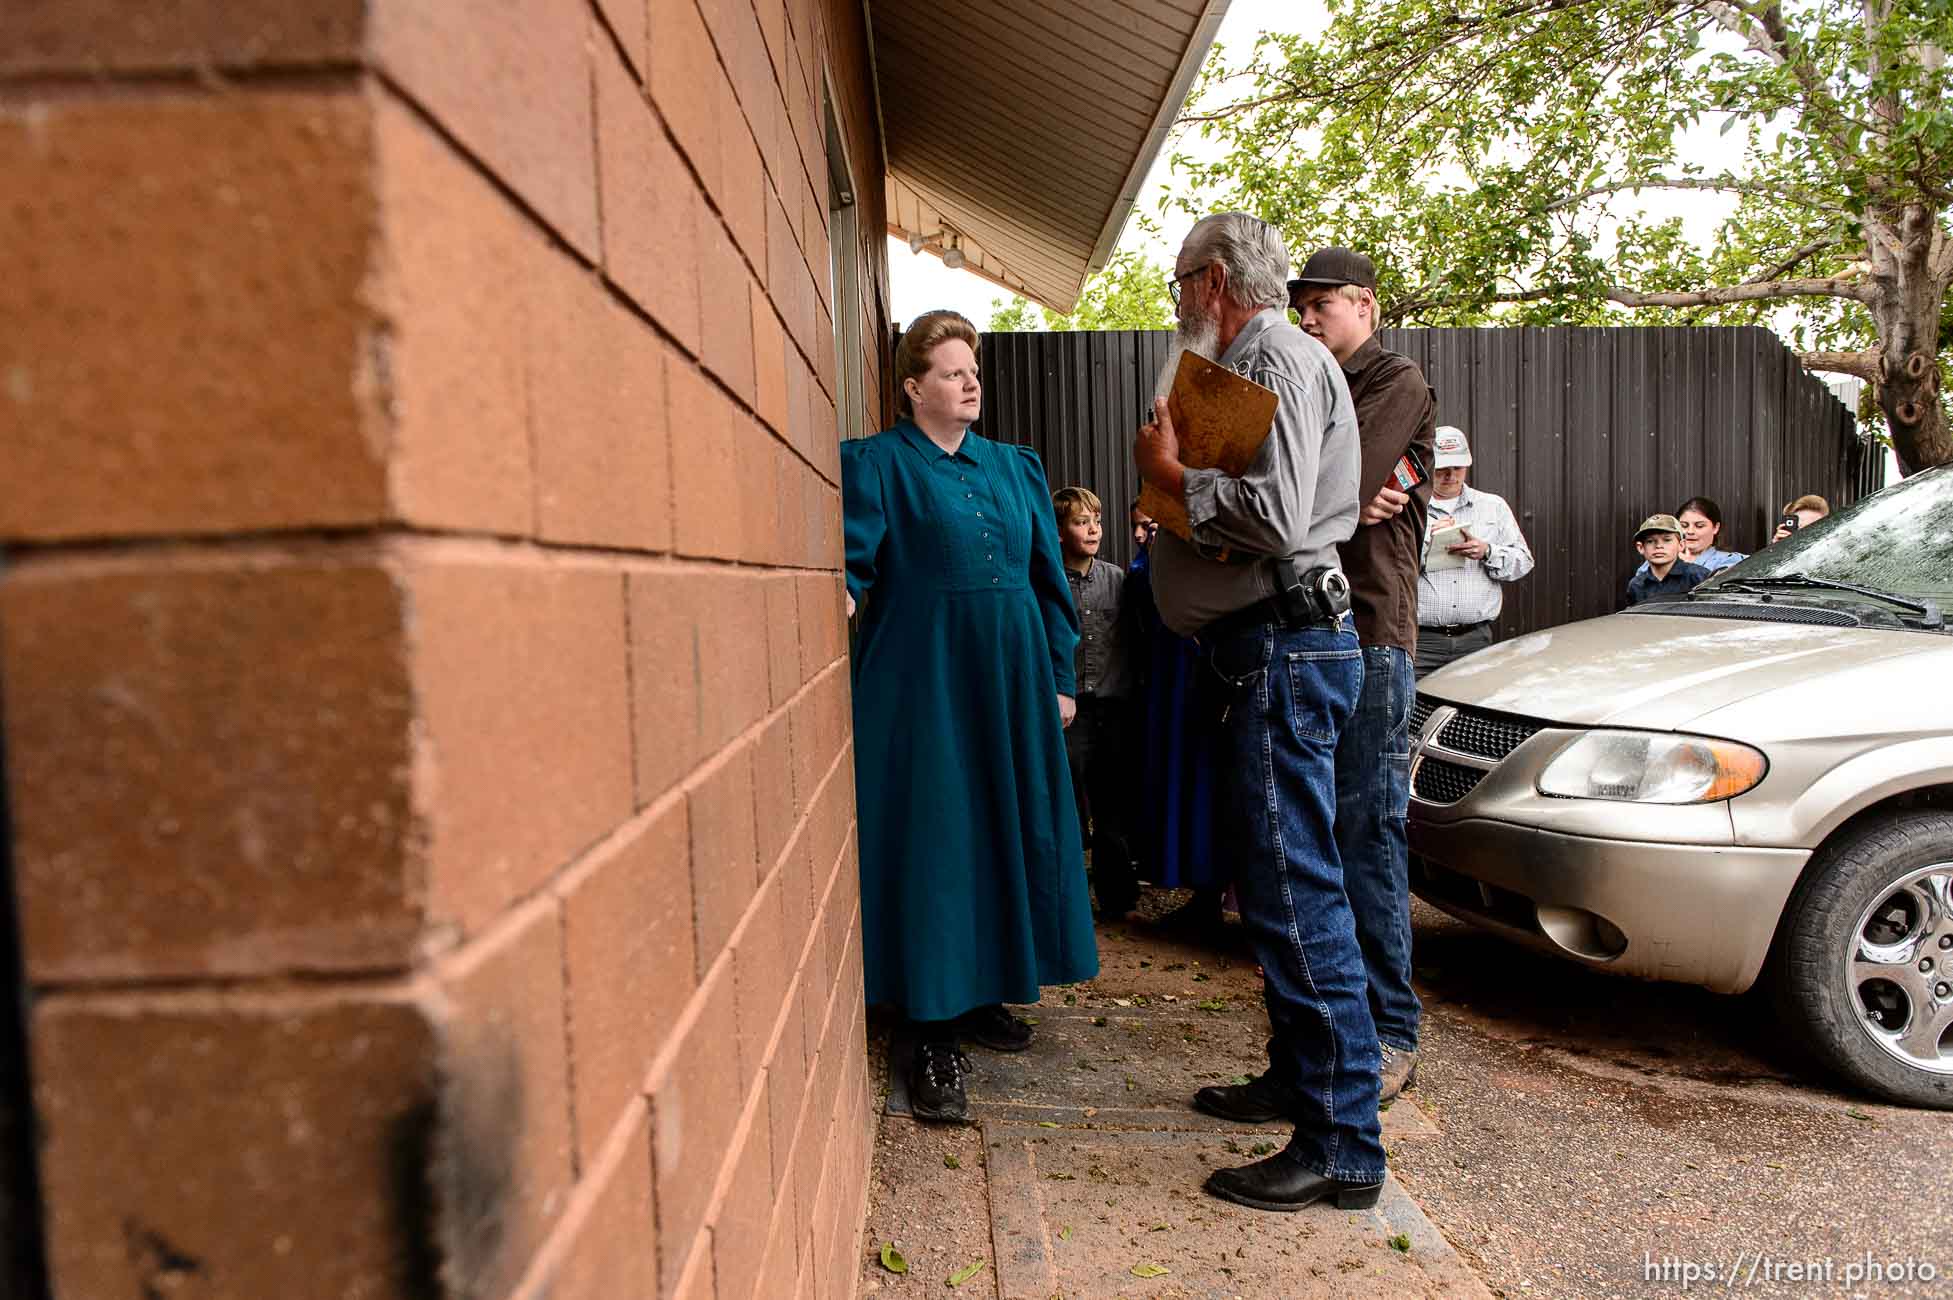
pixel 1222 420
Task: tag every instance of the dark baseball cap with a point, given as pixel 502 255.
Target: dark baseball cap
pixel 1329 267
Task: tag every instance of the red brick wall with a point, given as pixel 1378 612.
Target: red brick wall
pixel 421 644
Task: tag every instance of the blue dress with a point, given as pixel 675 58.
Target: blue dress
pixel 972 876
pixel 1174 836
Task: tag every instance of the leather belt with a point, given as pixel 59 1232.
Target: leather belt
pixel 1453 629
pixel 1259 614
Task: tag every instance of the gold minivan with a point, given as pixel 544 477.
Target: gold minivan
pixel 1752 782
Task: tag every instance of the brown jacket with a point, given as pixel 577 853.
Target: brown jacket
pixel 1396 413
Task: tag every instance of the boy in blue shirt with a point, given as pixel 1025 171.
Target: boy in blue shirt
pixel 1668 576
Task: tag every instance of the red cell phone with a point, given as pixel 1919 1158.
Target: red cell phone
pixel 1405 475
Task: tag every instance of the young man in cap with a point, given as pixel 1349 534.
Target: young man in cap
pixel 1457 601
pixel 1335 299
pixel 1668 576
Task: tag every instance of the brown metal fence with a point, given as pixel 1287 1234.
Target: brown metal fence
pixel 1584 431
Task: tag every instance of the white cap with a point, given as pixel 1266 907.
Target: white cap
pixel 1451 447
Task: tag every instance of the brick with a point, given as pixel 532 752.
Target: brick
pixel 631 23
pixel 782 258
pixel 726 341
pixel 770 389
pixel 685 84
pixel 698 653
pixel 822 600
pixel 786 1083
pixel 98 36
pixel 774 810
pixel 597 376
pixel 249 402
pixel 743 1217
pixel 742 193
pixel 799 430
pixel 609 1253
pixel 724 874
pixel 505 1101
pixel 797 898
pixel 209 768
pixel 520 672
pixel 824 363
pixel 764 467
pixel 782 639
pixel 455 346
pixel 652 210
pixel 820 720
pixel 762 968
pixel 697 1282
pixel 710 496
pixel 780 1259
pixel 228 1129
pixel 692 1123
pixel 627 925
pixel 468 62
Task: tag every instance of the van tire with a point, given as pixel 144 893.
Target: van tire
pixel 1815 998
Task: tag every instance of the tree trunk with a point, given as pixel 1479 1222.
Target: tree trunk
pixel 1909 280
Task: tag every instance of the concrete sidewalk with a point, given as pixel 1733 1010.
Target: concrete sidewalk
pixel 1081 1177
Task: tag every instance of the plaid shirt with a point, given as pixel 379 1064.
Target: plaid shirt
pixel 1470 592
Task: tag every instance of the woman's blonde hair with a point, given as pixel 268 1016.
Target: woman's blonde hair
pixel 925 334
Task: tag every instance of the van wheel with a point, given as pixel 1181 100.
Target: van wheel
pixel 1864 966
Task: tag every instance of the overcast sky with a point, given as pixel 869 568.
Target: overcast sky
pixel 919 282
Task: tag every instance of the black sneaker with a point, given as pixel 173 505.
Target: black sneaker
pixel 936 1082
pixel 994 1028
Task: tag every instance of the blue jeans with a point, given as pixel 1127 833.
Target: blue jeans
pixel 1287 693
pixel 1372 801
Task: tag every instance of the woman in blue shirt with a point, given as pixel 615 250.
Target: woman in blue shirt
pixel 973 887
pixel 1701 521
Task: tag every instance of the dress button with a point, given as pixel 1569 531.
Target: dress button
pixel 993 582
pixel 968 495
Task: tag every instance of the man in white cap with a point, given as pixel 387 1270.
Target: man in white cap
pixel 1473 545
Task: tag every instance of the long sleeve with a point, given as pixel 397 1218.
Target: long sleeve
pixel 1268 510
pixel 1048 576
pixel 1510 559
pixel 862 520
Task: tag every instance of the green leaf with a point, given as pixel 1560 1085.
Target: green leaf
pixel 1235 1081
pixel 1064 1233
pixel 892 1259
pixel 1150 1270
pixel 1045 1123
pixel 1401 1243
pixel 962 1275
pixel 951 1162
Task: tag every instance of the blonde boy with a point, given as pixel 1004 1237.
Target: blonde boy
pixel 1098 742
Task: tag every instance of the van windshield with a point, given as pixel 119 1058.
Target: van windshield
pixel 1899 540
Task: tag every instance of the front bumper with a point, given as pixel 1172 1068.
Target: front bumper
pixel 1695 913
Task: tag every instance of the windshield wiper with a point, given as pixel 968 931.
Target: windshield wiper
pixel 1928 611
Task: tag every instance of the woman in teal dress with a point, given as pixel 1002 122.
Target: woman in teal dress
pixel 972 877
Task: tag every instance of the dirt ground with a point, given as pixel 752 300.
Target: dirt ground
pixel 1571 1135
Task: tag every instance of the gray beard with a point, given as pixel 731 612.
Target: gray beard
pixel 1201 336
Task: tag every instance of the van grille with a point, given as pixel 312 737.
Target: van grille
pixel 1488 735
pixel 1442 782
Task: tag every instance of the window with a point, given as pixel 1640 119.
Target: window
pixel 844 278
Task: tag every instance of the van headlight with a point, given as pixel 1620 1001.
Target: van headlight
pixel 1651 767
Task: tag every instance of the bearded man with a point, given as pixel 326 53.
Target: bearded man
pixel 1259 589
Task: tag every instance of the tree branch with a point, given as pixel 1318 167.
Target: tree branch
pixel 1715 296
pixel 1863 365
pixel 1784 267
pixel 1756 291
pixel 1725 183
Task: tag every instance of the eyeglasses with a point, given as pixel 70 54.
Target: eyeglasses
pixel 1173 285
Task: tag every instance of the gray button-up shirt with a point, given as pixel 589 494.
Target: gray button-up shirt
pixel 1101 654
pixel 1298 498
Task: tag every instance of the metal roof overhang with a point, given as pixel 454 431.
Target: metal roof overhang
pixel 1018 132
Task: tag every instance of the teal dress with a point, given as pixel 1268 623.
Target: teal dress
pixel 972 877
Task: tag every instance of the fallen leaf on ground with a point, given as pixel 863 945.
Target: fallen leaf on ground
pixel 962 1275
pixel 1401 1243
pixel 1150 1270
pixel 951 1162
pixel 1064 1233
pixel 892 1258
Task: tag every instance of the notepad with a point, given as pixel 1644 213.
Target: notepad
pixel 1221 420
pixel 1437 553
